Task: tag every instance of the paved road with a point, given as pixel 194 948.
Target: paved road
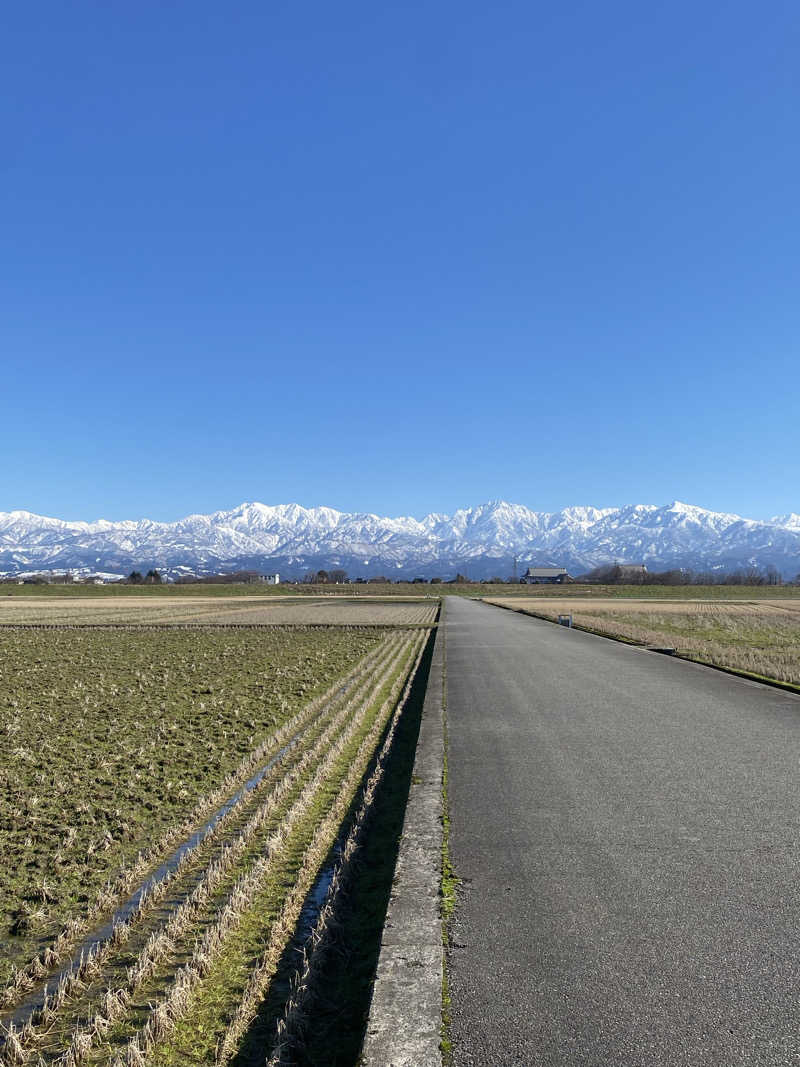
pixel 626 826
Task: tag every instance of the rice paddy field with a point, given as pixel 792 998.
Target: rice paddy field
pixel 215 611
pixel 759 636
pixel 172 796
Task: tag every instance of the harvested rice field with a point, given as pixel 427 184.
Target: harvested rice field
pixel 760 637
pixel 333 612
pixel 216 611
pixel 169 797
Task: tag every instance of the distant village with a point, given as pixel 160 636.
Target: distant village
pixel 532 576
pixel 607 574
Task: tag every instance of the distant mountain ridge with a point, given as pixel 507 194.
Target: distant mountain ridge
pixel 479 541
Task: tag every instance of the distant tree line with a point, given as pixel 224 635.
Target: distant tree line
pixel 334 577
pixel 234 578
pixel 339 577
pixel 621 574
pixel 606 574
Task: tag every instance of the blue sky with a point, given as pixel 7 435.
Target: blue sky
pixel 398 258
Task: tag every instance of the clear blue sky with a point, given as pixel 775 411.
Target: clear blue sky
pixel 398 258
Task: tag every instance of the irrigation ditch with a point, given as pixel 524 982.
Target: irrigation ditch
pixel 318 810
pixel 318 1007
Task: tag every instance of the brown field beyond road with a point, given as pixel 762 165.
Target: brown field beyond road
pixel 760 637
pixel 630 604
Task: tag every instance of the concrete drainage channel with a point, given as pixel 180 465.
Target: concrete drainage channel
pixel 405 1018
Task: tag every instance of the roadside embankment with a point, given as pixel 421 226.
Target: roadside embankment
pixel 404 1027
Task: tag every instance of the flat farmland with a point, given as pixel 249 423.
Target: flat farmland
pixel 216 611
pixel 332 612
pixel 168 797
pixel 760 636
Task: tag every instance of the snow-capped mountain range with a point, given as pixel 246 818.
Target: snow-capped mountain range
pixel 479 541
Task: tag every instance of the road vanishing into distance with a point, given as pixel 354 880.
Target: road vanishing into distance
pixel 626 827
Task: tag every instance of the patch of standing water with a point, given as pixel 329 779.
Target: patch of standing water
pixel 252 1053
pixel 316 897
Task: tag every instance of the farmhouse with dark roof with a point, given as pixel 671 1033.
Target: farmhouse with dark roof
pixel 544 576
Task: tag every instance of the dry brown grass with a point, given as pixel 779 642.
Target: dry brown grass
pixel 761 637
pixel 666 607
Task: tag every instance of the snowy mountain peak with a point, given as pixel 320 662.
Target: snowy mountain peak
pixel 698 514
pixel 677 507
pixel 790 521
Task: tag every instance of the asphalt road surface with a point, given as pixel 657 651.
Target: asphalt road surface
pixel 626 828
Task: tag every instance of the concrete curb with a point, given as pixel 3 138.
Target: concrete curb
pixel 405 1017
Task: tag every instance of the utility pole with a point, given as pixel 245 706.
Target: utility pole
pixel 515 570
